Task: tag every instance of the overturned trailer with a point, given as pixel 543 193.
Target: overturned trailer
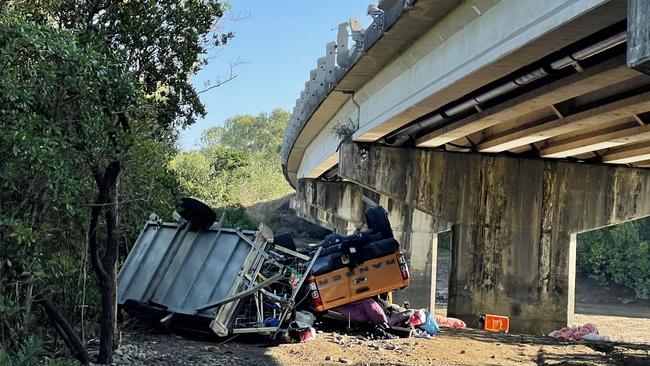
pixel 195 274
pixel 237 280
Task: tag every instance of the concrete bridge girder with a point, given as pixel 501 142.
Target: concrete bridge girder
pixel 514 221
pixel 477 43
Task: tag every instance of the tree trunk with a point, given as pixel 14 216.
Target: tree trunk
pixel 106 267
pixel 112 246
pixel 66 332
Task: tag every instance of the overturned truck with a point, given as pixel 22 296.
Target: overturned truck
pixel 195 274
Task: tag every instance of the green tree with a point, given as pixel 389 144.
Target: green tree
pixel 95 79
pixel 225 160
pixel 237 166
pixel 148 186
pixel 618 254
pixel 258 134
pixel 259 138
pixel 215 176
pixel 51 85
pixel 197 178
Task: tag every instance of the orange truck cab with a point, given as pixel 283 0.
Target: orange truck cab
pixel 359 266
pixel 372 277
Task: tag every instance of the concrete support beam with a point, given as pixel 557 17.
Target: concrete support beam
pixel 618 110
pixel 628 154
pixel 638 35
pixel 594 78
pixel 513 220
pixel 338 206
pixel 583 145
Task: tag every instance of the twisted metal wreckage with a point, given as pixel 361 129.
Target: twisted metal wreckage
pixel 197 274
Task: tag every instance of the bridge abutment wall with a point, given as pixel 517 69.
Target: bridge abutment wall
pixel 514 221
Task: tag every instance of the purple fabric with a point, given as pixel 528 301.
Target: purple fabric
pixel 366 310
pixel 401 317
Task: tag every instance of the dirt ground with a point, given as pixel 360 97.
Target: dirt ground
pixel 618 328
pixel 613 309
pixel 450 347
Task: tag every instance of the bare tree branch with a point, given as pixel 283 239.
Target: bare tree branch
pixel 232 17
pixel 232 75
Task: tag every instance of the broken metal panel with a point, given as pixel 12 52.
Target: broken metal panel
pixel 224 274
pixel 250 268
pixel 181 269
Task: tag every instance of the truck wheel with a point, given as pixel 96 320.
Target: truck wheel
pixel 200 215
pixel 377 220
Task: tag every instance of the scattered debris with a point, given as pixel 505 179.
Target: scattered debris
pixel 364 311
pixel 494 323
pixel 587 332
pixel 261 285
pixel 444 321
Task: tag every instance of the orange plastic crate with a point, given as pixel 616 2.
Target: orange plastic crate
pixel 496 323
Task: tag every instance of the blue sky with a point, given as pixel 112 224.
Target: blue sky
pixel 280 42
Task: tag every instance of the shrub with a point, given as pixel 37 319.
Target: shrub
pixel 235 216
pixel 618 254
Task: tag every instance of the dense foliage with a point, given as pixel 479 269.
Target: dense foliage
pixel 618 254
pixel 238 165
pixel 93 93
pixel 256 134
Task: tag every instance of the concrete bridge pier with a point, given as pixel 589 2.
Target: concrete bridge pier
pixel 514 221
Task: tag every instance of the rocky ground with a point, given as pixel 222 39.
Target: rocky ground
pixel 450 347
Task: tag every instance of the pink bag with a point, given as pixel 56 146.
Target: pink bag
pixel 443 321
pixel 417 318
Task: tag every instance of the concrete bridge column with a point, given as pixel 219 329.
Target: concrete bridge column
pixel 513 221
pixel 339 207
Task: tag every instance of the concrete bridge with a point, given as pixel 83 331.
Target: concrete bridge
pixel 514 124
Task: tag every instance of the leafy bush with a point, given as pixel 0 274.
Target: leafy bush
pixel 238 166
pixel 618 254
pixel 27 355
pixel 236 216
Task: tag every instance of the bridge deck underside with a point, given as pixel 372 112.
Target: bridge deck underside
pixel 598 114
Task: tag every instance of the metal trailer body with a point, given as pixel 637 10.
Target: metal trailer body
pixel 214 273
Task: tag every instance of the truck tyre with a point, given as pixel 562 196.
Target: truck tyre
pixel 200 215
pixel 377 220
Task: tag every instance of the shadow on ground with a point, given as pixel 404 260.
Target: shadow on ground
pixel 614 353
